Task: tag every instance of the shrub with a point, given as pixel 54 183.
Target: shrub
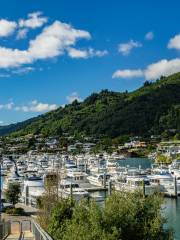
pixel 15 211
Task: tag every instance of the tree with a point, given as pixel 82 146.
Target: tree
pixel 125 216
pixel 49 199
pixel 147 83
pixel 12 194
pixel 163 159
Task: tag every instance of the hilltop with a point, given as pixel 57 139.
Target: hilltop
pixel 151 109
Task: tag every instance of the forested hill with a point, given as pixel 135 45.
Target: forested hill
pixel 152 109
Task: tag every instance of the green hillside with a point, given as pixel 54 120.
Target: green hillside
pixel 152 109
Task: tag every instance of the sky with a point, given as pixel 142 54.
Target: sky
pixel 53 52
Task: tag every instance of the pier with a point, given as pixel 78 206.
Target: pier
pixel 22 229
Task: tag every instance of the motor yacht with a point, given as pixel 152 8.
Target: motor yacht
pixel 68 188
pixel 98 179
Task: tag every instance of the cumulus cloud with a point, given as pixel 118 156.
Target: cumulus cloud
pixel 174 42
pixel 125 48
pixel 13 57
pixel 55 39
pixel 7 27
pixel 33 106
pixel 34 20
pixel 36 106
pixel 128 73
pixel 77 53
pixel 162 68
pixel 51 42
pixel 22 33
pixel 73 96
pixel 149 36
pixel 7 106
pixel 153 71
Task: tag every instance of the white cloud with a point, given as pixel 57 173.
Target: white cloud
pixel 128 73
pixel 149 36
pixel 162 68
pixel 174 42
pixel 7 27
pixel 76 53
pixel 73 96
pixel 33 106
pixel 125 48
pixel 22 33
pixel 1 123
pixel 23 70
pixel 13 57
pixel 52 42
pixel 36 106
pixel 153 71
pixel 55 39
pixel 8 106
pixel 34 20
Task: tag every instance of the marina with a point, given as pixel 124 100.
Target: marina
pixel 80 182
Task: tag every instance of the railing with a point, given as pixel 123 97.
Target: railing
pixel 39 233
pixel 5 229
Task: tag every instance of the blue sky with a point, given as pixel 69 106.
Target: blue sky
pixel 52 52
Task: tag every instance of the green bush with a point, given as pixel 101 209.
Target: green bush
pixel 15 211
pixel 125 216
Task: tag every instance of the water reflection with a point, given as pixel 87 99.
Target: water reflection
pixel 172 213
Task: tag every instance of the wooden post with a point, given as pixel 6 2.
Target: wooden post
pixel 27 195
pixel 144 189
pixel 175 187
pixel 86 167
pixel 76 161
pixel 71 191
pixel 104 180
pixel 109 188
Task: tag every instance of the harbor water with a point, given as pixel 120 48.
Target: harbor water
pixel 171 207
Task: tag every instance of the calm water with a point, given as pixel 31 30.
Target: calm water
pixel 172 213
pixel 171 208
pixel 135 162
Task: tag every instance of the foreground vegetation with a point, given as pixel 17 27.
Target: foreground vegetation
pixel 152 109
pixel 12 194
pixel 124 216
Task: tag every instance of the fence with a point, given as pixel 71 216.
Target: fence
pixel 39 233
pixel 5 229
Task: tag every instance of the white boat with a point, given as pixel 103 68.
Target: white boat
pixel 98 179
pixel 68 189
pixel 13 178
pixel 97 168
pixel 112 167
pixel 76 176
pixel 33 188
pixel 163 179
pixel 7 163
pixel 131 184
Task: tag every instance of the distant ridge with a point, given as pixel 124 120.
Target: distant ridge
pixel 151 109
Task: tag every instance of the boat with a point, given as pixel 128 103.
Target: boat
pixel 33 187
pixel 98 179
pixel 13 178
pixel 68 188
pixel 76 176
pixel 135 183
